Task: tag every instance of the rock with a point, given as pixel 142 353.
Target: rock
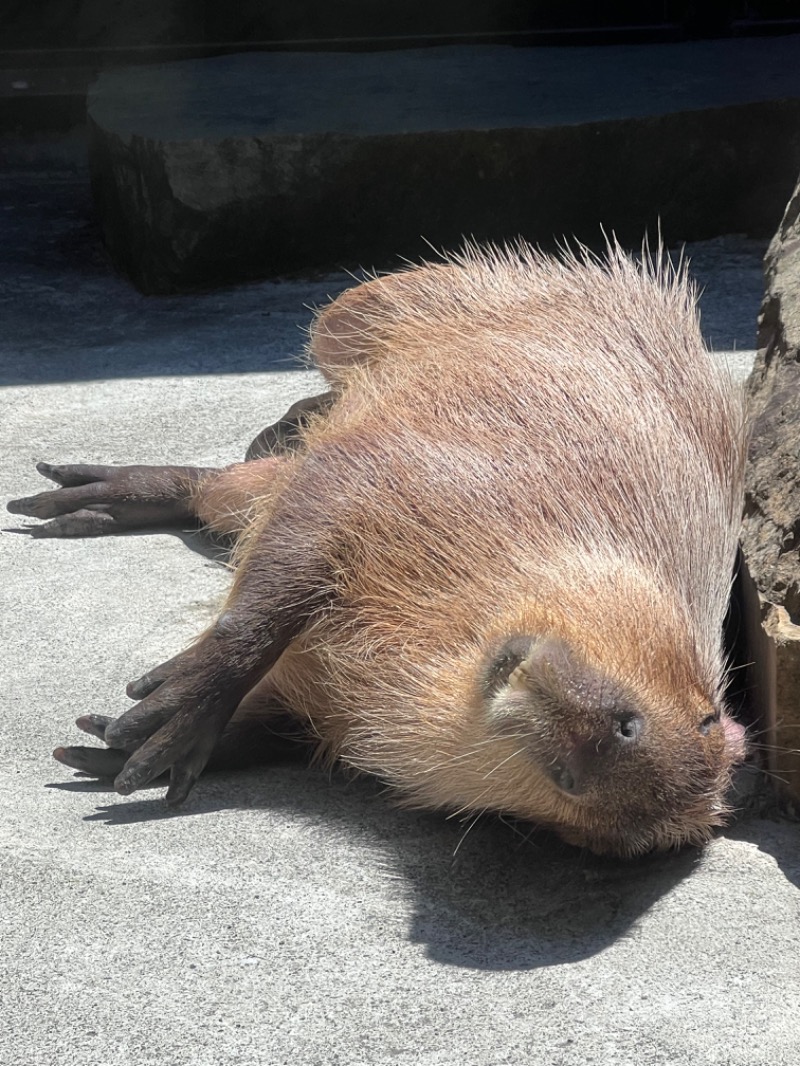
pixel 212 171
pixel 771 529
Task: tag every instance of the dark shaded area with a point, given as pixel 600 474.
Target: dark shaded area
pixel 50 52
pixel 488 896
pixel 696 175
pixel 742 627
pixel 99 24
pixel 224 170
pixel 494 897
pixel 68 316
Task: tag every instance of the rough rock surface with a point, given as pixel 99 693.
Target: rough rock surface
pixel 771 537
pixel 242 166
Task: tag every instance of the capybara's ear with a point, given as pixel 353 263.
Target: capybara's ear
pixel 349 330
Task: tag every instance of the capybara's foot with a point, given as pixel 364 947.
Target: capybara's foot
pixel 286 435
pixel 263 731
pixel 185 703
pixel 96 500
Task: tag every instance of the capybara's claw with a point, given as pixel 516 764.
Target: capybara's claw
pixel 83 523
pixel 97 725
pixel 103 763
pixel 153 679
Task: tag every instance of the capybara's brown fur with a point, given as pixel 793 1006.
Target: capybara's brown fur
pixel 496 570
pixel 533 478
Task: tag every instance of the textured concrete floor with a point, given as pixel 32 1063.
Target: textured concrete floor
pixel 285 917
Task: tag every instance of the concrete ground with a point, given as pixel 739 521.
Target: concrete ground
pixel 284 916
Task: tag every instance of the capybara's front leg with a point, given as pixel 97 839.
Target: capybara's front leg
pixel 185 704
pixel 96 500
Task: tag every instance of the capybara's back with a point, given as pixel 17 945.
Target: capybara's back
pixel 529 494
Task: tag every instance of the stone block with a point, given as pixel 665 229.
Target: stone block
pixel 212 171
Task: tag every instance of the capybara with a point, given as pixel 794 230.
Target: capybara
pixel 490 566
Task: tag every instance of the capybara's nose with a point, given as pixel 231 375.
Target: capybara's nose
pixel 590 758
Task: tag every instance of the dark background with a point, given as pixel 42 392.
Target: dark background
pixel 51 51
pixel 113 24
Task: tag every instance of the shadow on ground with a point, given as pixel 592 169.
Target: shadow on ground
pixel 777 837
pixel 495 896
pixel 68 317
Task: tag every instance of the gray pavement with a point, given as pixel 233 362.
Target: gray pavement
pixel 286 916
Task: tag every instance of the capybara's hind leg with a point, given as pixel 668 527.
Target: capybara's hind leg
pixel 340 338
pixel 348 331
pixel 94 501
pixel 286 435
pixel 226 502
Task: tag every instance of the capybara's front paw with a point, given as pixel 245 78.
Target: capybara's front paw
pixel 173 728
pixel 102 763
pixel 96 500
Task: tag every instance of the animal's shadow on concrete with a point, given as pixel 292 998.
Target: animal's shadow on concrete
pixel 766 818
pixel 776 836
pixel 206 545
pixel 214 547
pixel 201 542
pixel 497 896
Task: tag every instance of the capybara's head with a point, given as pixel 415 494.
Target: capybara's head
pixel 614 765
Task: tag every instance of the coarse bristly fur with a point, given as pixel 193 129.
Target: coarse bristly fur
pixel 530 490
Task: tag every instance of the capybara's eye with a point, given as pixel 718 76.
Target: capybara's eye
pixel 629 726
pixel 503 662
pixel 708 721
